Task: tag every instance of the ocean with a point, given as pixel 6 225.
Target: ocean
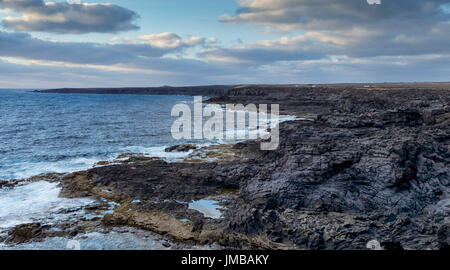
pixel 44 133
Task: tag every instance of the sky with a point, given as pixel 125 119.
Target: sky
pixel 74 43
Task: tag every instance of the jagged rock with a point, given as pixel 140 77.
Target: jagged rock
pixel 141 159
pixel 49 177
pixel 366 169
pixel 24 233
pixel 181 148
pixel 102 163
pixel 3 183
pixel 444 236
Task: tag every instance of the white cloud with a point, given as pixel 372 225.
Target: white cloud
pixel 213 40
pixel 163 40
pixel 170 40
pixel 192 41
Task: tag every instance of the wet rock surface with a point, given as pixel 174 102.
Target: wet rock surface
pixel 181 148
pixel 444 236
pixel 25 233
pixel 3 183
pixel 374 164
pixel 380 159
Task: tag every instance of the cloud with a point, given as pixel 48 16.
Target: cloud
pixel 328 41
pixel 171 40
pixel 72 17
pixel 25 46
pixel 378 69
pixel 163 40
pixel 28 62
pixel 195 41
pixel 125 57
pixel 305 47
pixel 356 43
pixel 329 28
pixel 333 15
pixel 355 27
pixel 121 51
pixel 213 40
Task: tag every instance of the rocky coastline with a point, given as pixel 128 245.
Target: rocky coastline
pixel 374 164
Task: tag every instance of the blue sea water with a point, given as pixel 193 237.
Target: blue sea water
pixel 43 133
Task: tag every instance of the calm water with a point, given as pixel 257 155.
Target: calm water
pixel 41 133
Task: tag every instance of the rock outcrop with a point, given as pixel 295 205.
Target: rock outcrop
pixel 25 233
pixel 375 164
pixel 181 148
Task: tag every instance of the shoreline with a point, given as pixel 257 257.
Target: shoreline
pixel 372 165
pixel 208 90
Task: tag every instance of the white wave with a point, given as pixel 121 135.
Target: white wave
pixel 26 170
pixel 95 241
pixel 159 151
pixel 32 202
pixel 119 239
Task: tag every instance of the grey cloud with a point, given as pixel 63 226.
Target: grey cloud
pixel 342 14
pixel 272 62
pixel 132 56
pixel 374 70
pixel 341 41
pixel 23 45
pixel 14 75
pixel 316 45
pixel 350 28
pixel 66 18
pixel 260 55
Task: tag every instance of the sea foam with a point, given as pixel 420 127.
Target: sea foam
pixel 38 201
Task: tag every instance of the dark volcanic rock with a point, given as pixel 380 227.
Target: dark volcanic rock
pixel 379 160
pixel 444 236
pixel 154 180
pixel 10 183
pixel 375 164
pixel 25 233
pixel 3 183
pixel 181 148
